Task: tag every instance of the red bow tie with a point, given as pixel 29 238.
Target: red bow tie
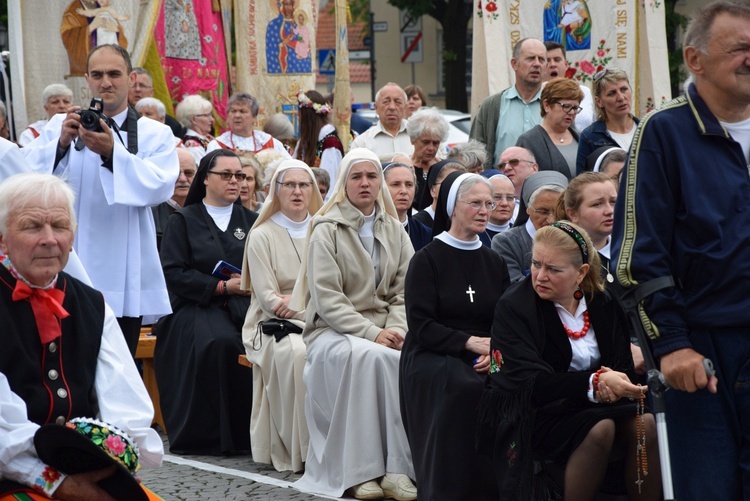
pixel 47 307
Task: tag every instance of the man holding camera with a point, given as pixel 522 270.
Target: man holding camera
pixel 119 166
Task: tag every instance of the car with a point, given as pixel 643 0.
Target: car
pixel 460 124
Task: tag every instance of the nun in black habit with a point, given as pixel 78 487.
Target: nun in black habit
pixel 206 397
pixel 451 289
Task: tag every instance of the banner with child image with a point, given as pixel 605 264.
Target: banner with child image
pixel 50 41
pixel 625 34
pixel 189 36
pixel 275 41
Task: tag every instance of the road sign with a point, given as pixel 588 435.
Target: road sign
pixel 359 54
pixel 327 61
pixel 380 26
pixel 407 23
pixel 411 48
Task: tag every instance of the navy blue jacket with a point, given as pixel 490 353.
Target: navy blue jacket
pixel 593 137
pixel 684 210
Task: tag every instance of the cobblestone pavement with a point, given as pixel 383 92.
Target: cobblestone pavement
pixel 233 478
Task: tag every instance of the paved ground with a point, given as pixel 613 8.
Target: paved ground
pixel 206 478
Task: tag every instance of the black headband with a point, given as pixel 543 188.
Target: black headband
pixel 575 235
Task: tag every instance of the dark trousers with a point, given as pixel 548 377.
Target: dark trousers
pixel 131 330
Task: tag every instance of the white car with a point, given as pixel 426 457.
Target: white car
pixel 460 124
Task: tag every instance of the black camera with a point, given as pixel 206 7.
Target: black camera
pixel 90 117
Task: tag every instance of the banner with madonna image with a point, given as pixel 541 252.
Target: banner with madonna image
pixel 624 34
pixel 189 37
pixel 276 52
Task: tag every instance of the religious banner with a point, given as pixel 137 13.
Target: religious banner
pixel 189 37
pixel 342 105
pixel 625 34
pixel 276 49
pixel 50 41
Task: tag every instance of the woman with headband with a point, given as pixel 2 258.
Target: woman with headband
pixel 351 286
pixel 402 184
pixel 205 395
pixel 278 431
pixel 452 286
pixel 560 379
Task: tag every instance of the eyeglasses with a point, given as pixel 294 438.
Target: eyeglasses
pixel 293 186
pixel 226 176
pixel 567 108
pixel 477 205
pixel 545 213
pixel 513 162
pixel 511 199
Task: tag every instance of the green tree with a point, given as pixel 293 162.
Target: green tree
pixel 453 16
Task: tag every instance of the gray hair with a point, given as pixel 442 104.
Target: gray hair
pixel 255 164
pixel 55 90
pixel 143 71
pixel 377 95
pixel 471 154
pixel 191 106
pixel 427 121
pixel 471 182
pixel 322 177
pixel 152 102
pixel 279 126
pixel 698 32
pixel 244 98
pixel 547 187
pixel 21 190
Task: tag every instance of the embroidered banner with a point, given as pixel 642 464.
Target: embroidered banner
pixel 342 106
pixel 189 36
pixel 49 43
pixel 275 52
pixel 599 34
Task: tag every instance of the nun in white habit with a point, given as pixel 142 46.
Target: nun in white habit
pixel 352 278
pixel 278 431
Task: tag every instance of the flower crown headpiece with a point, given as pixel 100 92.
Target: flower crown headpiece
pixel 305 102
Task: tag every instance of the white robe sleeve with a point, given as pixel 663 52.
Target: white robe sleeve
pixel 40 154
pixel 329 161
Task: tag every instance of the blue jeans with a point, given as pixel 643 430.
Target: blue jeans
pixel 709 435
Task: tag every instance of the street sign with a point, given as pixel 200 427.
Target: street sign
pixel 327 61
pixel 406 23
pixel 367 41
pixel 359 54
pixel 411 48
pixel 380 26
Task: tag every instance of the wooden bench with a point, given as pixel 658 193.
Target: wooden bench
pixel 145 353
pixel 242 360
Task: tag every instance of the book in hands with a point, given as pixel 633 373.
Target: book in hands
pixel 224 270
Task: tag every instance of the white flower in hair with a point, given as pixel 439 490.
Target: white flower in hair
pixel 305 102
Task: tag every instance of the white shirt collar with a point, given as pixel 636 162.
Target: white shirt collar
pixel 449 239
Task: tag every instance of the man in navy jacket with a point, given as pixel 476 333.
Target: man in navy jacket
pixel 684 210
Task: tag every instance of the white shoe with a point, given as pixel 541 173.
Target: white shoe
pixel 400 490
pixel 368 490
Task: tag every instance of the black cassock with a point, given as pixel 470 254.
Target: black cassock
pixel 440 390
pixel 206 397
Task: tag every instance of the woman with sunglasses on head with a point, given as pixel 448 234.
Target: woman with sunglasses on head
pixel 554 142
pixel 451 289
pixel 206 396
pixel 615 124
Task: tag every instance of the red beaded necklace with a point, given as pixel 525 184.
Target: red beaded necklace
pixel 582 332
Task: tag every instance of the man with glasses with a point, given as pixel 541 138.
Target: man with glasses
pixel 181 188
pixel 683 212
pixel 517 163
pixel 144 87
pixel 504 116
pixel 118 172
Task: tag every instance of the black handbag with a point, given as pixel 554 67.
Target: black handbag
pixel 279 328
